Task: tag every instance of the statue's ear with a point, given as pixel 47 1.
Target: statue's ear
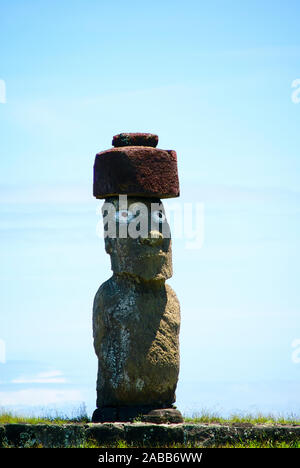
pixel 108 245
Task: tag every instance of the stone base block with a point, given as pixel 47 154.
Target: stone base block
pixel 142 434
pixel 137 413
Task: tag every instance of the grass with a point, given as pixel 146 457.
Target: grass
pixel 205 417
pixel 121 444
pixel 79 417
pixel 250 444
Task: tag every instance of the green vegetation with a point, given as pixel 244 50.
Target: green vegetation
pixel 79 416
pixel 121 444
pixel 250 444
pixel 94 437
pixel 206 417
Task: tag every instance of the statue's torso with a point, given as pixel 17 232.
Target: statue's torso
pixel 136 328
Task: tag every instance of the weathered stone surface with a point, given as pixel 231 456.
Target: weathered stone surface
pixel 2 437
pixel 136 171
pixel 135 139
pixel 215 435
pixel 152 435
pixel 209 435
pixel 17 434
pixel 120 413
pixel 104 433
pixel 136 321
pixel 136 317
pixel 161 416
pixel 148 258
pixel 144 413
pixel 143 434
pixel 45 435
pixel 136 327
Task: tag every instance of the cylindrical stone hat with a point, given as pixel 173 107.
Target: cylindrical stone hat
pixel 135 167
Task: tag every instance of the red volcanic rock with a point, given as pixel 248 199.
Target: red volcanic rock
pixel 135 139
pixel 136 171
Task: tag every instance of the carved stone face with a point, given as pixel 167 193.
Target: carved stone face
pixel 141 243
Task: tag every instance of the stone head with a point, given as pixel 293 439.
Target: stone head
pixel 137 237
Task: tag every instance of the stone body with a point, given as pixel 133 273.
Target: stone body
pixel 136 327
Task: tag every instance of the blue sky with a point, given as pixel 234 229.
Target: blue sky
pixel 213 80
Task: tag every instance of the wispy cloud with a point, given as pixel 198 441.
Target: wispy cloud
pixel 53 377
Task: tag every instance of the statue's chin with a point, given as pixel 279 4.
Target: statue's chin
pixel 156 267
pixel 158 277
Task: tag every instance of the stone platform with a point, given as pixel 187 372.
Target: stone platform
pixel 141 434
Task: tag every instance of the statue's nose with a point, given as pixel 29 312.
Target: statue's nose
pixel 155 238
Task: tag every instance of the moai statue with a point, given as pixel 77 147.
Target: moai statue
pixel 136 315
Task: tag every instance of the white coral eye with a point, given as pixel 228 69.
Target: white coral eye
pixel 124 216
pixel 158 216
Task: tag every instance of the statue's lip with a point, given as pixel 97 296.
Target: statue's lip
pixel 154 254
